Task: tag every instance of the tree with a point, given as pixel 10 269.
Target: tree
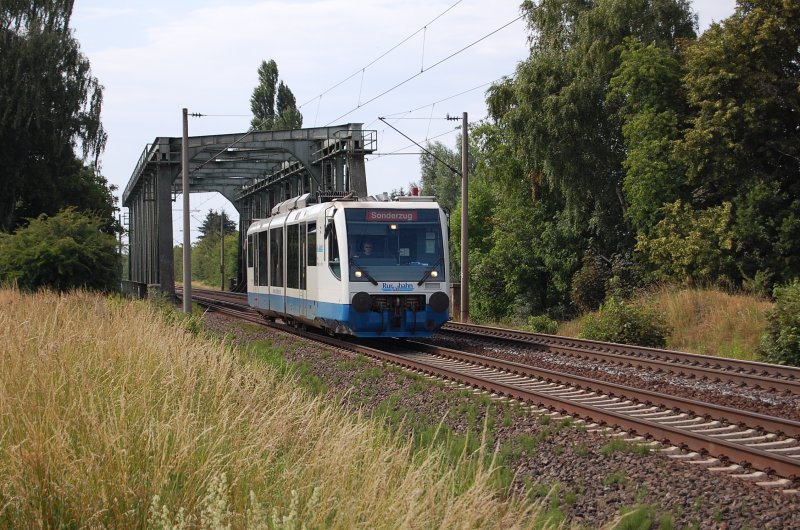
pixel 206 259
pixel 211 223
pixel 67 251
pixel 439 180
pixel 288 117
pixel 49 108
pixel 555 109
pixel 522 248
pixel 647 93
pixel 268 114
pixel 743 145
pixel 206 251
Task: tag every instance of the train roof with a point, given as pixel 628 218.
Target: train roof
pixel 307 206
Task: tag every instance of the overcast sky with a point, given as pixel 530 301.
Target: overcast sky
pixel 158 57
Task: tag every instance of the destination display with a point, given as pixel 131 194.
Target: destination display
pixel 390 216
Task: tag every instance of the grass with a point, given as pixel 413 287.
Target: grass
pixel 110 416
pixel 618 445
pixel 706 321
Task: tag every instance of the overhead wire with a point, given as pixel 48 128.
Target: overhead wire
pixel 396 152
pixel 384 54
pixel 434 65
pixel 445 99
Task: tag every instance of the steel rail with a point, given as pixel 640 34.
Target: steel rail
pixel 721 448
pixel 719 412
pixel 750 373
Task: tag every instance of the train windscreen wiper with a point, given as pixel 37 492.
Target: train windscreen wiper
pixel 363 271
pixel 429 271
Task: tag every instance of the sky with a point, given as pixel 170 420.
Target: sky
pixel 338 57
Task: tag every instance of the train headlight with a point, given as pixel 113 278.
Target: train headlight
pixel 435 274
pixel 358 274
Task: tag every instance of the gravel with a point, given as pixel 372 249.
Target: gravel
pixel 592 484
pixel 784 405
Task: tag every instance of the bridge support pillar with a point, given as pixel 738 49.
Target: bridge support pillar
pixel 166 258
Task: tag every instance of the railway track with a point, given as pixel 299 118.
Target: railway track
pixel 721 438
pixel 702 367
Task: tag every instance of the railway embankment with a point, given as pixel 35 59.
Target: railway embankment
pixel 585 476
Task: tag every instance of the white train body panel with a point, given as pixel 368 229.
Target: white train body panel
pixel 304 265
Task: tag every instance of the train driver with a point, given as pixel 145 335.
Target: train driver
pixel 368 250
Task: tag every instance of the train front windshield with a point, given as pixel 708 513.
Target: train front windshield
pixel 395 245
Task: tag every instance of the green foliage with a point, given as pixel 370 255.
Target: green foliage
pixel 541 324
pixel 646 90
pixel 522 249
pixel 67 251
pixel 206 259
pixel 589 283
pixel 617 477
pixel 581 449
pixel 269 114
pixel 744 143
pixel 624 137
pixel 555 107
pixel 624 323
pixel 211 224
pixel 626 277
pixel 690 246
pixel 766 227
pixel 781 341
pixel 206 252
pixel 287 115
pixel 439 180
pixel 50 109
pixel 641 518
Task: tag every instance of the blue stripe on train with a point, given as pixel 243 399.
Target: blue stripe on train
pixel 369 324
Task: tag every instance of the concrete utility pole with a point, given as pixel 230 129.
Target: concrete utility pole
pixel 222 248
pixel 464 224
pixel 187 239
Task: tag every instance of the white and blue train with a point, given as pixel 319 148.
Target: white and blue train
pixel 373 268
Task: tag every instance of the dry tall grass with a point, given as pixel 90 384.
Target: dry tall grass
pixel 707 321
pixel 111 418
pixel 711 321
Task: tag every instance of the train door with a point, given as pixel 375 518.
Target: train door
pixel 301 267
pixel 276 269
pixel 294 295
pixel 309 273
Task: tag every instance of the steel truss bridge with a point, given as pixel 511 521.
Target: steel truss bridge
pixel 254 170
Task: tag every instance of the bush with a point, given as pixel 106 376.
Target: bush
pixel 541 324
pixel 63 252
pixel 780 343
pixel 618 321
pixel 589 283
pixel 626 277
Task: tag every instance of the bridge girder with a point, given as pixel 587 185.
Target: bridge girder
pixel 254 170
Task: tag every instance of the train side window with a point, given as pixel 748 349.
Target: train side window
pixel 276 257
pixel 250 251
pixel 333 250
pixel 261 252
pixel 293 256
pixel 311 249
